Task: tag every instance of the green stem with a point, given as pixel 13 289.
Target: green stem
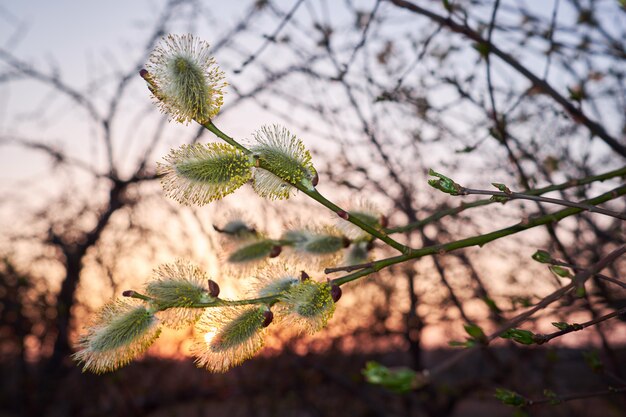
pixel 480 240
pixel 315 195
pixel 621 172
pixel 222 303
pixel 429 250
pixel 523 196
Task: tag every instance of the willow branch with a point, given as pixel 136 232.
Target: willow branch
pixel 577 114
pixel 545 338
pixel 480 240
pixel 621 172
pixel 315 195
pixel 521 196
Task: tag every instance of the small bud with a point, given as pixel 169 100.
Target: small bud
pixel 315 180
pixel 542 256
pixel 128 293
pixel 443 183
pixel 384 221
pixel 560 271
pixel 335 292
pixel 501 187
pixel 276 250
pixel 343 214
pixel 509 397
pixel 475 332
pixel 269 317
pixel 214 289
pixel 346 242
pixel 304 276
pixel 144 73
pixel 525 337
pixel 398 380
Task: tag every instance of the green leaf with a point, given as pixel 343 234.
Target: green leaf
pixel 482 48
pixel 561 325
pixel 492 305
pixel 398 380
pixel 551 395
pixel 475 332
pixel 593 361
pixel 467 344
pixel 525 337
pixel 509 397
pixel 560 271
pixel 543 257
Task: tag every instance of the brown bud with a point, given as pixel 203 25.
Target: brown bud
pixel 370 245
pixel 269 317
pixel 335 292
pixel 214 289
pixel 384 221
pixel 343 214
pixel 315 180
pixel 304 276
pixel 276 250
pixel 144 73
pixel 346 242
pixel 128 293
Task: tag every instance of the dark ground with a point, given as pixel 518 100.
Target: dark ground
pixel 315 385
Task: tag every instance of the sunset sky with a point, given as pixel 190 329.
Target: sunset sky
pixel 87 45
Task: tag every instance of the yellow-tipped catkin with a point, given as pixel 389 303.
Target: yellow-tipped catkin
pixel 175 288
pixel 201 173
pixel 315 246
pixel 366 212
pixel 273 280
pixel 227 336
pixel 185 79
pixel 288 160
pixel 254 251
pixel 307 306
pixel 120 332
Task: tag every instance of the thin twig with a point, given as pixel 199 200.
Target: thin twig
pixel 576 113
pixel 522 196
pixel 545 338
pixel 621 172
pixel 269 39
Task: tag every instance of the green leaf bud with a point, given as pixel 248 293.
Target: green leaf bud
pixel 525 337
pixel 543 257
pixel 398 380
pixel 443 183
pixel 509 397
